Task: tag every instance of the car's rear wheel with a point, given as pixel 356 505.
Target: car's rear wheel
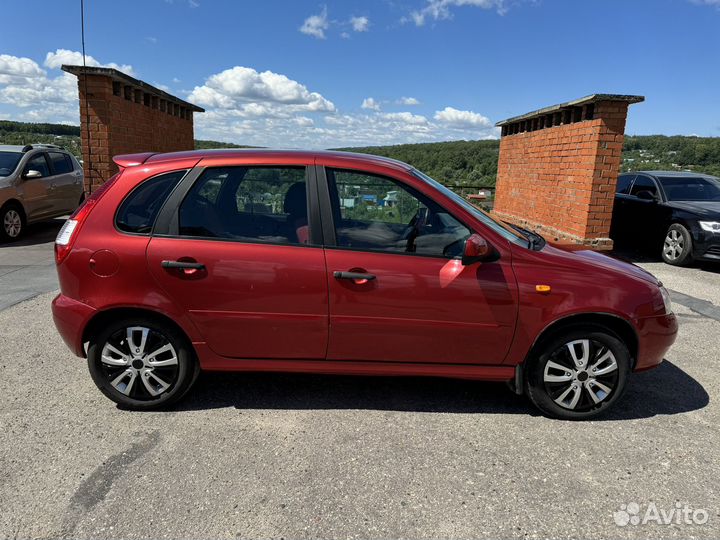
pixel 12 220
pixel 677 247
pixel 141 363
pixel 579 374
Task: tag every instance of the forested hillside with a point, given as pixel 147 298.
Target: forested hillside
pixel 457 163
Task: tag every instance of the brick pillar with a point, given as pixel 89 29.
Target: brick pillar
pixel 123 115
pixel 558 168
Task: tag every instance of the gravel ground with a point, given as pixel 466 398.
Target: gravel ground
pixel 270 456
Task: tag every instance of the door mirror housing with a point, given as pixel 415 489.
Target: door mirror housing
pixel 32 173
pixel 646 195
pixel 477 249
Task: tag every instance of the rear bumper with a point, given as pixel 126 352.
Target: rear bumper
pixel 655 336
pixel 71 318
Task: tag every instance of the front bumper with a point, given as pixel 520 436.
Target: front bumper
pixel 706 245
pixel 71 318
pixel 655 336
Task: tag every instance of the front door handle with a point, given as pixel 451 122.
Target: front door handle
pixel 357 277
pixel 183 265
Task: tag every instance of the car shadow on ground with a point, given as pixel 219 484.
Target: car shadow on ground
pixel 37 233
pixel 634 255
pixel 663 391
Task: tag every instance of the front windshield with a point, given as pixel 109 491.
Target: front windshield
pixel 497 226
pixel 691 188
pixel 8 162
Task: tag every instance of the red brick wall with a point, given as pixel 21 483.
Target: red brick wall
pixel 122 126
pixel 560 181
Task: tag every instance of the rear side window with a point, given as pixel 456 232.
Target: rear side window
pixel 61 163
pixel 139 210
pixel 248 204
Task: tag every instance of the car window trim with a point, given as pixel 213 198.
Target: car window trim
pixel 329 218
pixel 655 182
pixel 167 224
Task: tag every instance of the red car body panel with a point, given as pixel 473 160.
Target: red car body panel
pixel 264 307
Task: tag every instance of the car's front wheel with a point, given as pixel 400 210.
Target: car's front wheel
pixel 13 222
pixel 141 363
pixel 579 374
pixel 677 247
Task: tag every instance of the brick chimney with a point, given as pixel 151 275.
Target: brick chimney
pixel 122 115
pixel 558 168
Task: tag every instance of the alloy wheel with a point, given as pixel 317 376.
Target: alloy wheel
pixel 140 363
pixel 581 374
pixel 674 245
pixel 12 223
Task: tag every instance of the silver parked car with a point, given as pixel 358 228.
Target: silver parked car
pixel 37 182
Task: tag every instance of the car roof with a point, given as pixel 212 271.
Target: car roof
pixel 11 148
pixel 262 152
pixel 683 174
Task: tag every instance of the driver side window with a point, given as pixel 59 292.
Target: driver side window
pixel 379 214
pixel 38 163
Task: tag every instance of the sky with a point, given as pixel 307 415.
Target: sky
pixel 372 72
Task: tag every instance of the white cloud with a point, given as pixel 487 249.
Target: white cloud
pixel 239 84
pixel 441 9
pixel 193 3
pixel 54 60
pixel 409 101
pixel 38 95
pixel 454 117
pixel 360 24
pixel 345 35
pixel 315 25
pixel 370 104
pixel 151 39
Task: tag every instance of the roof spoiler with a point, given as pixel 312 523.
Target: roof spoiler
pixel 132 160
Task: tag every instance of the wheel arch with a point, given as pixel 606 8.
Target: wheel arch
pixel 18 203
pixel 620 327
pixel 95 324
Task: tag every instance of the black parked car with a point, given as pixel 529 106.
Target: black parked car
pixel 674 213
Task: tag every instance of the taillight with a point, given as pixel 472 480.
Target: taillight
pixel 68 233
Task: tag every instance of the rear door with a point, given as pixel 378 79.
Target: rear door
pixel 419 303
pixel 238 249
pixel 643 211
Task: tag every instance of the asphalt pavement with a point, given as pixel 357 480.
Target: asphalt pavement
pixel 304 456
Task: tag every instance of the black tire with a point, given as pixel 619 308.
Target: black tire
pixel 545 394
pixel 11 216
pixel 677 247
pixel 178 376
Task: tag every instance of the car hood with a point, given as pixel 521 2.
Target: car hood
pixel 703 209
pixel 600 260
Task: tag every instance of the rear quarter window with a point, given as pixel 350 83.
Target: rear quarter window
pixel 138 211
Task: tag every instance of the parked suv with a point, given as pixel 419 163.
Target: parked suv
pixel 37 182
pixel 331 262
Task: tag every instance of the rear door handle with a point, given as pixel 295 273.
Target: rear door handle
pixel 355 276
pixel 183 265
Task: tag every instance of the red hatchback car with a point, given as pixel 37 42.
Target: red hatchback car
pixel 332 262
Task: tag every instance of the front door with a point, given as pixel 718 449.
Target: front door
pixel 38 193
pixel 240 262
pixel 67 180
pixel 398 291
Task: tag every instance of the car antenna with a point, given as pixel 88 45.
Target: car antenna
pixel 89 166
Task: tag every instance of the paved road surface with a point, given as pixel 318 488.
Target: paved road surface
pixel 319 457
pixel 27 267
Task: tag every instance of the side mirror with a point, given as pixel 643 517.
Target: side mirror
pixel 477 249
pixel 32 174
pixel 646 195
